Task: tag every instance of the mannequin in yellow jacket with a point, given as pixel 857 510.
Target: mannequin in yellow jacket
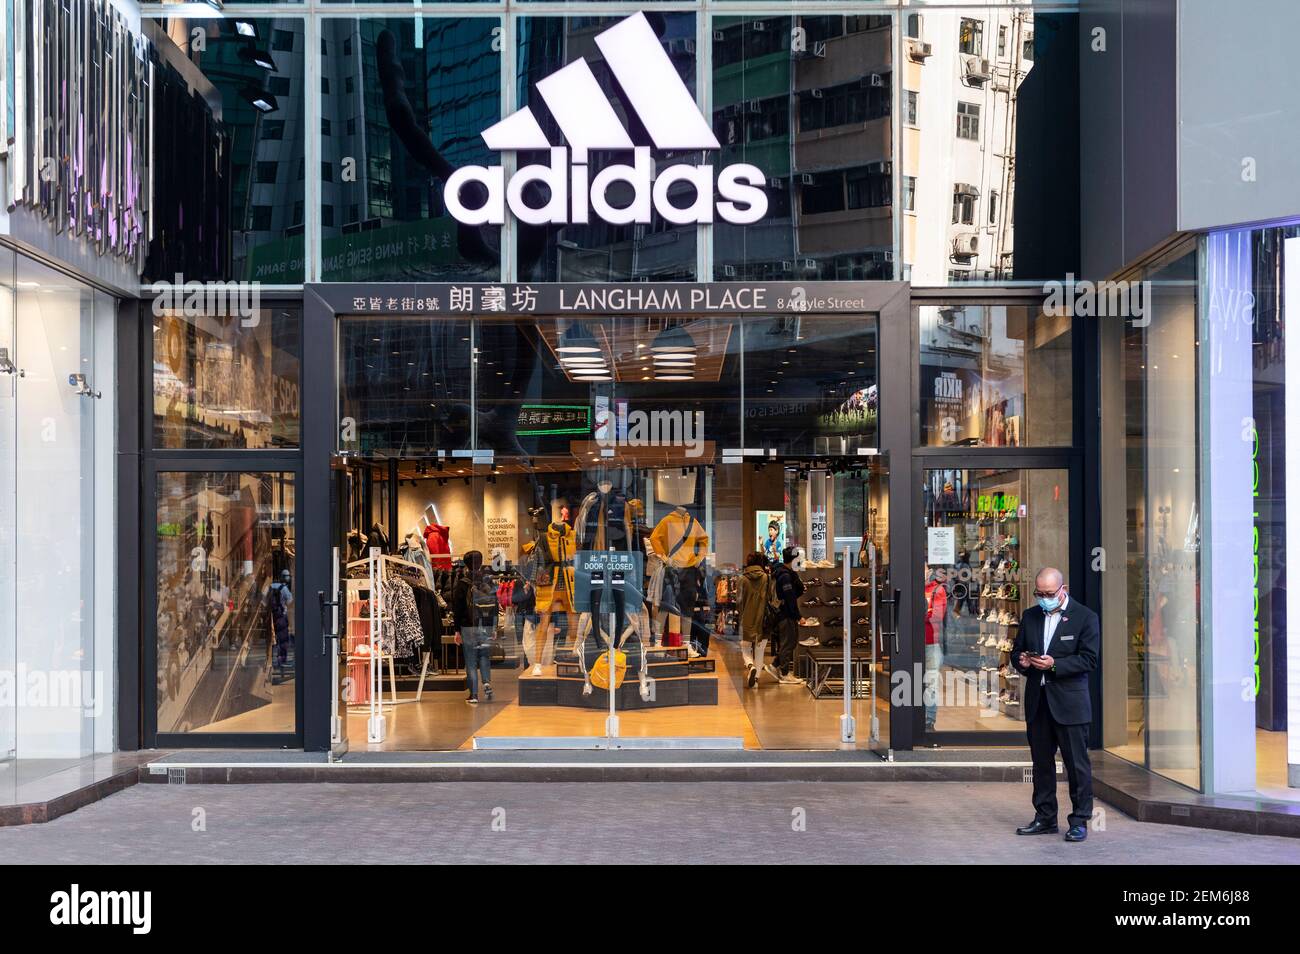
pixel 682 543
pixel 554 582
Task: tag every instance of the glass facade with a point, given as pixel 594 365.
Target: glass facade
pixel 995 376
pixel 1152 629
pixel 927 145
pixel 226 616
pixel 57 502
pixel 226 381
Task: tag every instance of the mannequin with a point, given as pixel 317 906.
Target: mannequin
pixel 554 546
pixel 437 539
pixel 680 541
pixel 607 520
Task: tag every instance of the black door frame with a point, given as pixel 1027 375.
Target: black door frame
pixel 316 499
pixel 1083 520
pixel 324 303
pixel 138 520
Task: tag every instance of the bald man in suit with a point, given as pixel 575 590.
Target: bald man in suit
pixel 1056 648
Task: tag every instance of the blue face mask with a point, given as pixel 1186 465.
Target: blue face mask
pixel 1049 604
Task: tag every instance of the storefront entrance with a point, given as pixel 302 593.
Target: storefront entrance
pixel 481 619
pixel 695 475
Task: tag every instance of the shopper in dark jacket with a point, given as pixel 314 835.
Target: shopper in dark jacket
pixel 788 590
pixel 757 597
pixel 474 605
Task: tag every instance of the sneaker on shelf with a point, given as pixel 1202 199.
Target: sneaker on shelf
pixel 835 622
pixel 812 581
pixel 835 582
pixel 861 581
pixel 834 601
pixel 812 601
pixel 860 601
pixel 810 641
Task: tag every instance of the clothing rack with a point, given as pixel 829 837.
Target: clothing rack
pixel 381 567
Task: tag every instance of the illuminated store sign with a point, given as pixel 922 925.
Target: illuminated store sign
pixel 541 419
pixel 573 96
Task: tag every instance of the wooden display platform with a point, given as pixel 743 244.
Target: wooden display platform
pixel 677 680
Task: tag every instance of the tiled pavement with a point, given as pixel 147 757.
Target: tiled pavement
pixel 646 823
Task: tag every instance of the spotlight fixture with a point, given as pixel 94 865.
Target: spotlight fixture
pixel 261 100
pixel 246 28
pixel 251 54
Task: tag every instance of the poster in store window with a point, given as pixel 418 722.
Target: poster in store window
pixel 817 535
pixel 771 533
pixel 941 546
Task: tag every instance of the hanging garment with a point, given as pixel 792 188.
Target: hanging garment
pixel 403 634
pixel 430 612
pixel 680 539
pixel 437 539
pixel 555 574
pixel 604 521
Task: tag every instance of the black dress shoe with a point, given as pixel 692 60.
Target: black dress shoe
pixel 1076 833
pixel 1038 827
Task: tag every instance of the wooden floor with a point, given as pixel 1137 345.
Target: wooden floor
pixel 727 719
pixel 770 717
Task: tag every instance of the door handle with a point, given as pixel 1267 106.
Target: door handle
pixel 327 636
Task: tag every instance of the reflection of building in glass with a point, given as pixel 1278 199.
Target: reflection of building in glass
pixel 600 251
pixel 252 86
pixel 962 75
pixel 810 106
pixel 398 113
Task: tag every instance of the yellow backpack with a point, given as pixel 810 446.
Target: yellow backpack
pixel 600 669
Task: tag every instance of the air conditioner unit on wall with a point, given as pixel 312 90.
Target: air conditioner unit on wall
pixel 977 69
pixel 918 51
pixel 966 245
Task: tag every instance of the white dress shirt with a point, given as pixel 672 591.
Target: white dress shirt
pixel 1050 622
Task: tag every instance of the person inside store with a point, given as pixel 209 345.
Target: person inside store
pixel 938 614
pixel 757 615
pixel 789 588
pixel 279 597
pixel 474 605
pixel 1055 649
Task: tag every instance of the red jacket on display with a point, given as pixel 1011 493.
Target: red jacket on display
pixel 437 539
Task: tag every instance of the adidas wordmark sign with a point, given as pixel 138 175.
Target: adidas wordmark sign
pixel 666 109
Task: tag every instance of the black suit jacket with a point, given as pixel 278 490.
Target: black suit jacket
pixel 1075 647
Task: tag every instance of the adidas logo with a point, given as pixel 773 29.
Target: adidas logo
pixel 665 108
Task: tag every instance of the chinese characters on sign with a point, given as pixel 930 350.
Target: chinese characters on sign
pixel 537 419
